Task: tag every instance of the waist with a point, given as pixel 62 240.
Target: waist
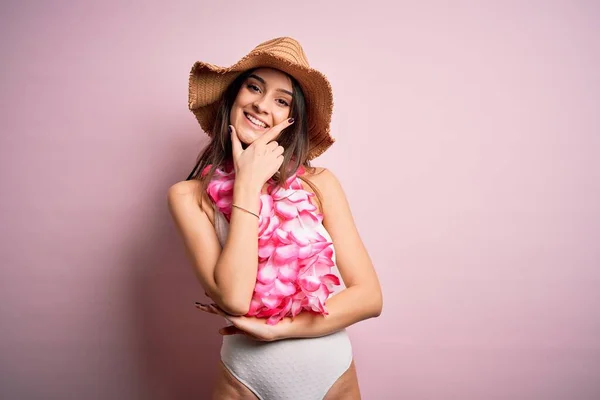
pixel 238 346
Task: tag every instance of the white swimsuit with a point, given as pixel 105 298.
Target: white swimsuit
pixel 288 369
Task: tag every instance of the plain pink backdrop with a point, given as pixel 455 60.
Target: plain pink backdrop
pixel 467 142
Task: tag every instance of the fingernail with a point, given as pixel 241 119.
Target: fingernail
pixel 229 129
pixel 291 120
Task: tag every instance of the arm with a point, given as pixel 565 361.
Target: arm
pixel 235 272
pixel 362 297
pixel 227 275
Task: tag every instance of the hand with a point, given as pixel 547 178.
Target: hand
pixel 252 327
pixel 261 159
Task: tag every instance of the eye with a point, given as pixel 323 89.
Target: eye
pixel 253 88
pixel 283 102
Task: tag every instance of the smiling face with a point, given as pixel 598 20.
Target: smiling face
pixel 263 101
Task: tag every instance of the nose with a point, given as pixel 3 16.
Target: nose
pixel 259 105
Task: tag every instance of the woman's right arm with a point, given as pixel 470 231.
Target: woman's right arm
pixel 228 275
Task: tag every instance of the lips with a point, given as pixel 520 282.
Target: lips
pixel 246 114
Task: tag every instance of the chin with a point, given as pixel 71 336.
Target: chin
pixel 247 137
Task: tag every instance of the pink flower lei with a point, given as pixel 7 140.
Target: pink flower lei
pixel 294 259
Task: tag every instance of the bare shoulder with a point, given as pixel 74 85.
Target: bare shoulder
pixel 326 182
pixel 184 193
pixel 330 194
pixel 190 190
pixel 185 188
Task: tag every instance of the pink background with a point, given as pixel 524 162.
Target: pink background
pixel 468 141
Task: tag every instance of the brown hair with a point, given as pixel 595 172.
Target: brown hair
pixel 294 139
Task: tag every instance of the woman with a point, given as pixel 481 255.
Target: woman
pixel 268 234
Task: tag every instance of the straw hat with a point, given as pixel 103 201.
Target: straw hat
pixel 208 82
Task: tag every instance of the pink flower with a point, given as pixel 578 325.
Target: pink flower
pixel 294 259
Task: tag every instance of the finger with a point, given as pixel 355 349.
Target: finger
pixel 251 336
pixel 205 308
pixel 234 330
pixel 279 150
pixel 272 133
pixel 236 144
pixel 217 310
pixel 230 330
pixel 272 145
pixel 279 160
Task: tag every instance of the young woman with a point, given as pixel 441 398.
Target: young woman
pixel 269 235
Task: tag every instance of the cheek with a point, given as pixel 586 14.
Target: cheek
pixel 240 100
pixel 236 109
pixel 282 115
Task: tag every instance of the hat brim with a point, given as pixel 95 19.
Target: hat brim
pixel 208 82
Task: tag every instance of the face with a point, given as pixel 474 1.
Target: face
pixel 264 100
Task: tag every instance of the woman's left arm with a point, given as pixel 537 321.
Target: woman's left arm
pixel 362 298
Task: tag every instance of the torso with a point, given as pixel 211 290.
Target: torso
pixel 346 387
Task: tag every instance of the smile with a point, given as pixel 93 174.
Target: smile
pixel 255 122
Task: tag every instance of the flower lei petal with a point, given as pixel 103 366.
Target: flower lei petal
pixel 294 259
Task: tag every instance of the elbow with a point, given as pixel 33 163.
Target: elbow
pixel 377 310
pixel 235 307
pixel 233 303
pixel 372 306
pixel 236 310
pixel 377 306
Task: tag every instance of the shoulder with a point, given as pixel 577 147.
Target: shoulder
pixel 190 190
pixel 184 188
pixel 320 175
pixel 326 182
pixel 335 207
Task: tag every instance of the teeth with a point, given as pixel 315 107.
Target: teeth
pixel 255 121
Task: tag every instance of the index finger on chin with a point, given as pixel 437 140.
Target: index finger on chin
pixel 272 133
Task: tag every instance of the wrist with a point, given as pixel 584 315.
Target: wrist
pixel 248 181
pixel 282 330
pixel 246 189
pixel 247 196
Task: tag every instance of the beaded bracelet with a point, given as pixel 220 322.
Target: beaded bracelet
pixel 248 211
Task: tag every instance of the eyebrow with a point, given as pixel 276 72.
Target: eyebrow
pixel 258 78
